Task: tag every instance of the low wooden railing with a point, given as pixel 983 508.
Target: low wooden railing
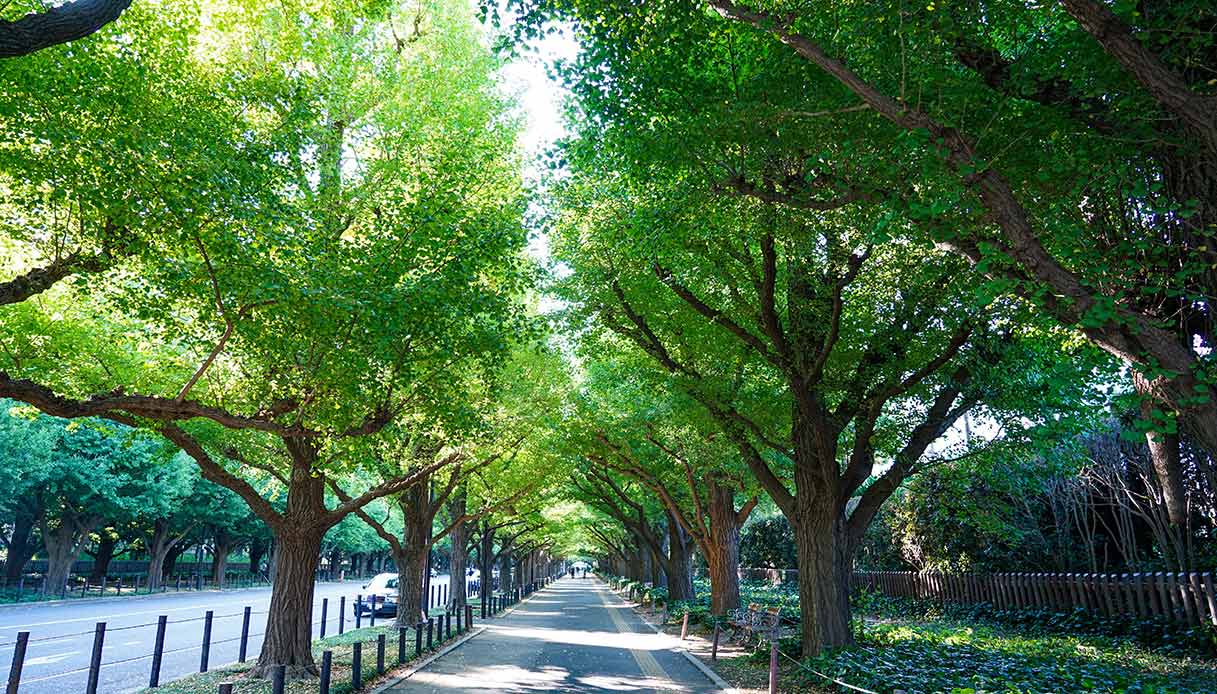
pixel 1189 598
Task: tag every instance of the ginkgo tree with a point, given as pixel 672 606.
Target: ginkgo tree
pixel 313 289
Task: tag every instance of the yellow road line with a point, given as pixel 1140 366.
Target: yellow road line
pixel 646 662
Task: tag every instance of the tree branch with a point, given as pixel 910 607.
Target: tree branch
pixel 56 25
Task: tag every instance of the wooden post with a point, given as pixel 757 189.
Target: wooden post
pixel 684 626
pixel 278 679
pixel 1210 596
pixel 327 658
pixel 773 666
pixel 206 654
pixel 714 646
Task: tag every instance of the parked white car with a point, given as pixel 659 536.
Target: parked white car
pixel 380 595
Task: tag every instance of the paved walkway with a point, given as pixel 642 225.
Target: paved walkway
pixel 573 636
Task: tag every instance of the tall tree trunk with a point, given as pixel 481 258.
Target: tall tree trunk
pixel 411 560
pixel 458 537
pixel 102 556
pixel 1164 453
pixel 160 544
pixel 20 544
pixel 171 556
pixel 257 550
pixel 680 563
pixel 505 577
pixel 722 550
pixel 288 639
pixel 486 564
pixel 821 537
pixel 64 538
pixel 824 562
pixel 221 548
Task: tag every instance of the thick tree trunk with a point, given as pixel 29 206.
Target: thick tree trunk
pixel 102 557
pixel 219 559
pixel 411 556
pixel 486 565
pixel 64 539
pixel 824 564
pixel 171 556
pixel 357 564
pixel 20 545
pixel 159 544
pixel 1164 453
pixel 680 563
pixel 722 550
pixel 459 560
pixel 288 639
pixel 505 578
pixel 257 550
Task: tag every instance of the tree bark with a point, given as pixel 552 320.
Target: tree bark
pixel 20 545
pixel 1164 453
pixel 288 639
pixel 102 557
pixel 680 562
pixel 257 550
pixel 221 548
pixel 722 549
pixel 459 559
pixel 67 22
pixel 64 538
pixel 411 556
pixel 824 557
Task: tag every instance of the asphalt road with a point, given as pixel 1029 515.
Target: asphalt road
pixel 61 635
pixel 573 636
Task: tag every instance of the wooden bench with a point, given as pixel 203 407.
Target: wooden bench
pixel 753 621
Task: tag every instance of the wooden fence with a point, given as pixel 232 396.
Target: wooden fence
pixel 1190 598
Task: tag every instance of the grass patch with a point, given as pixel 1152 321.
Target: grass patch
pixel 340 678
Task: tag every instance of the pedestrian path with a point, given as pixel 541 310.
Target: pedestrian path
pixel 575 635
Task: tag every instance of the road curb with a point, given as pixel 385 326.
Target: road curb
pixel 706 670
pixel 427 661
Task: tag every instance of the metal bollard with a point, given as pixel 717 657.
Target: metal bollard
pixel 327 662
pixel 418 638
pixel 380 654
pixel 278 679
pixel 226 688
pixel 206 641
pixel 468 617
pixel 458 619
pixel 401 645
pixel 325 606
pixel 99 639
pixel 430 631
pixel 358 611
pixel 447 625
pixel 244 636
pixel 14 672
pixel 342 613
pixel 356 673
pixel 372 612
pixel 158 650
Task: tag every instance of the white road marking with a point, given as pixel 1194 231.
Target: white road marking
pixel 48 659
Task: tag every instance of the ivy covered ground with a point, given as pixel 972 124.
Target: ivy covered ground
pixel 921 648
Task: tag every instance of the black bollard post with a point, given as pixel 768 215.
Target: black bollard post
pixel 401 645
pixel 244 647
pixel 206 641
pixel 356 673
pixel 99 640
pixel 458 619
pixel 226 688
pixel 278 679
pixel 358 611
pixel 372 612
pixel 468 617
pixel 714 646
pixel 14 672
pixel 325 606
pixel 430 631
pixel 342 613
pixel 158 651
pixel 327 663
pixel 380 654
pixel 447 625
pixel 418 638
